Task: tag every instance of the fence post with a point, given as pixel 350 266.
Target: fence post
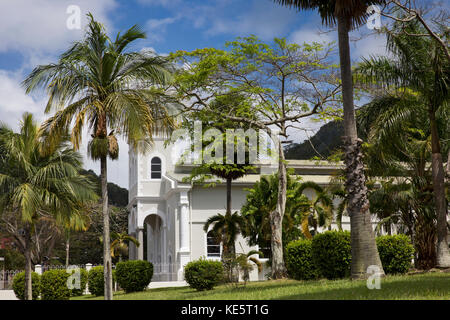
pixel 88 266
pixel 38 269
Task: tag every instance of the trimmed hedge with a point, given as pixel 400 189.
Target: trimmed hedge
pixel 96 283
pixel 396 253
pixel 203 274
pixel 134 275
pixel 331 253
pixel 18 285
pixel 54 285
pixel 299 261
pixel 83 283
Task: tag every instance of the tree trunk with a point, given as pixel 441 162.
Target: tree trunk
pixel 364 249
pixel 67 250
pixel 28 268
pixel 276 220
pixel 437 170
pixel 107 268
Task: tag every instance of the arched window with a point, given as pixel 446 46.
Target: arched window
pixel 212 245
pixel 156 168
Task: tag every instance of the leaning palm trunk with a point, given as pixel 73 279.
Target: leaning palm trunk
pixel 276 219
pixel 364 250
pixel 28 268
pixel 437 169
pixel 107 268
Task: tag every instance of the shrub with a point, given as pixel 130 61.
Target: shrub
pixel 18 285
pixel 134 275
pixel 331 253
pixel 395 252
pixel 203 274
pixel 54 285
pixel 299 262
pixel 96 283
pixel 83 282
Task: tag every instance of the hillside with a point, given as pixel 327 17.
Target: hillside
pixel 117 196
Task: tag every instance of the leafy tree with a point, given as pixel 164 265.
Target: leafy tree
pixel 284 82
pixel 348 16
pixel 97 80
pixel 419 65
pixel 261 201
pixel 37 181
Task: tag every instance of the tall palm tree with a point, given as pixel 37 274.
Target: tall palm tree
pixel 419 65
pixel 38 182
pixel 349 14
pixel 97 80
pixel 76 222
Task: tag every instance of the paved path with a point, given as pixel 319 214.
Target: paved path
pixel 7 295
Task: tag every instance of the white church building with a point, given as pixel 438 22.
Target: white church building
pixel 167 215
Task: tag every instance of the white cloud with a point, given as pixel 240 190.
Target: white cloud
pixel 40 25
pixel 162 3
pixel 370 45
pixel 309 35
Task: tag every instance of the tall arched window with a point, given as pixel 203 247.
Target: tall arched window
pixel 156 168
pixel 212 245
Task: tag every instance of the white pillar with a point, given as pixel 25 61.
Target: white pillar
pixel 38 269
pixel 149 239
pixel 185 249
pixel 140 251
pixel 184 227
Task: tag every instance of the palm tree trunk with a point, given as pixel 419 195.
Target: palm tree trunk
pixel 107 268
pixel 364 249
pixel 437 169
pixel 28 283
pixel 67 249
pixel 276 219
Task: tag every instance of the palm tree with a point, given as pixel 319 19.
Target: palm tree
pixel 349 15
pixel 419 65
pixel 399 145
pixel 36 182
pixel 98 81
pixel 320 210
pixel 120 244
pixel 76 222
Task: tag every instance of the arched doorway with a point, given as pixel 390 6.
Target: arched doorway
pixel 155 243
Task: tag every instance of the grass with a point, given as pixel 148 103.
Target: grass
pixel 422 286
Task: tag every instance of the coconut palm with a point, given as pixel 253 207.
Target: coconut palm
pixel 76 222
pixel 348 15
pixel 120 244
pixel 319 213
pixel 37 182
pixel 99 83
pixel 419 65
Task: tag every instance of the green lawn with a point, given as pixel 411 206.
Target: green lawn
pixel 422 286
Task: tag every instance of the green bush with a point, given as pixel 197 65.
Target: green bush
pixel 395 252
pixel 83 283
pixel 54 285
pixel 96 283
pixel 203 274
pixel 134 275
pixel 18 285
pixel 331 253
pixel 299 262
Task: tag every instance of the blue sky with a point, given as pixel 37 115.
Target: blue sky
pixel 35 32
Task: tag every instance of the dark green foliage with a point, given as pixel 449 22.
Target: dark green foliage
pixel 117 196
pixel 134 275
pixel 96 283
pixel 14 260
pixel 203 274
pixel 83 283
pixel 299 260
pixel 54 285
pixel 396 252
pixel 332 254
pixel 19 285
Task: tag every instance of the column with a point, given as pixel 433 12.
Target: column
pixel 140 249
pixel 184 227
pixel 149 243
pixel 184 250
